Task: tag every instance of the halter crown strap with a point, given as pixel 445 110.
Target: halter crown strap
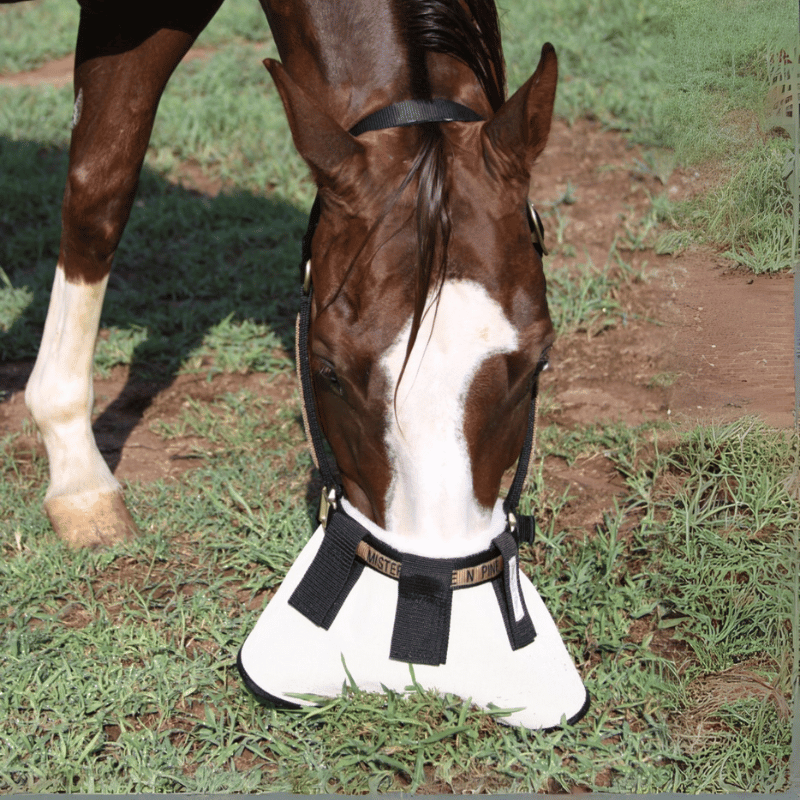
pixel 415 112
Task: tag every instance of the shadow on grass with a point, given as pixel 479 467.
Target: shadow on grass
pixel 206 281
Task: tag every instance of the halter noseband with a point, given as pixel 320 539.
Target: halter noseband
pixel 422 620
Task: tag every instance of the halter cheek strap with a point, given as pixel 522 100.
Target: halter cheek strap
pixel 425 585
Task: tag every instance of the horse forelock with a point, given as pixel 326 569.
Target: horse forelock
pixel 468 31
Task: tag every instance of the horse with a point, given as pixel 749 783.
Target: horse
pixel 423 331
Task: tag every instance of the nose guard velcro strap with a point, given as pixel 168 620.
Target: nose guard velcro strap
pixel 509 595
pixel 332 574
pixel 422 620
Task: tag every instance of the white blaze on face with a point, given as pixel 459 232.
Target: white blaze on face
pixel 431 508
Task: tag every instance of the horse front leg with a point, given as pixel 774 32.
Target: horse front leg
pixel 84 500
pixel 121 69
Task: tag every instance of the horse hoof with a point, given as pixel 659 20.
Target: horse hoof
pixel 93 519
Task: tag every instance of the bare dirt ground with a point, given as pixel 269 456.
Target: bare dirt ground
pixel 722 337
pixel 700 340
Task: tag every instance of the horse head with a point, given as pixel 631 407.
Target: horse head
pixel 423 372
pixel 421 339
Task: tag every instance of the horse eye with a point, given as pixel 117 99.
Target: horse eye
pixel 327 373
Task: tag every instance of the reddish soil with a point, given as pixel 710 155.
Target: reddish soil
pixel 55 73
pixel 700 340
pixel 721 337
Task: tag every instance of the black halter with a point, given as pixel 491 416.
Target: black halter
pixel 422 620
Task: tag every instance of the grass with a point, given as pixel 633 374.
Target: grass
pixel 689 84
pixel 750 215
pixel 675 75
pixel 117 668
pixel 189 276
pixel 681 79
pixel 118 674
pixel 27 46
pixel 696 569
pixel 587 298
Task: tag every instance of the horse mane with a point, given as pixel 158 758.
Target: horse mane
pixel 469 31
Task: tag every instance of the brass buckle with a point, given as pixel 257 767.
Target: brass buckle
pixel 307 278
pixel 327 501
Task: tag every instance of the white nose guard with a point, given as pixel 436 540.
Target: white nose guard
pixel 287 654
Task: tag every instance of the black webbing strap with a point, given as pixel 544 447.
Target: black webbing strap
pixel 333 572
pixel 305 245
pixel 519 625
pixel 421 630
pixel 526 529
pixel 310 416
pixel 422 620
pixel 526 525
pixel 515 490
pixel 415 112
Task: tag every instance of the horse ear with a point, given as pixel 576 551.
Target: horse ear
pixel 324 145
pixel 518 132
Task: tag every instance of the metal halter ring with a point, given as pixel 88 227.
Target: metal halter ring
pixel 512 521
pixel 307 277
pixel 537 228
pixel 327 501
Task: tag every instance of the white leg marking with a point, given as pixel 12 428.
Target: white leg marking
pixel 431 506
pixel 59 393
